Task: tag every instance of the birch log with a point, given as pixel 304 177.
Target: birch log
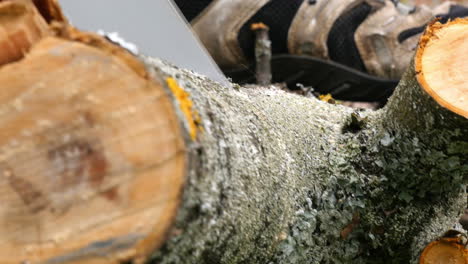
pixel 106 157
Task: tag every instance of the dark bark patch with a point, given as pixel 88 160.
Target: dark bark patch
pixel 355 124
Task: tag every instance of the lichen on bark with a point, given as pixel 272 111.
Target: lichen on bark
pixel 279 178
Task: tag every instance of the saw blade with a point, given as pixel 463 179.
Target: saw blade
pixel 155 26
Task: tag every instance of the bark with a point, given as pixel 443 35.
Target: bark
pixel 270 176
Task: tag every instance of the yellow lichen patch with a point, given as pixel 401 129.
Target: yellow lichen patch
pixel 186 106
pixel 327 98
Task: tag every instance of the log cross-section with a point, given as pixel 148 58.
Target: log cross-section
pixel 86 162
pixel 445 48
pixel 92 159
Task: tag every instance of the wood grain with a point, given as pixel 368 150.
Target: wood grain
pixel 92 158
pixel 445 47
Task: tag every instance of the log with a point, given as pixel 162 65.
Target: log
pixel 280 178
pixel 92 161
pixel 106 157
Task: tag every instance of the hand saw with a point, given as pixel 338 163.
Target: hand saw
pixel 155 26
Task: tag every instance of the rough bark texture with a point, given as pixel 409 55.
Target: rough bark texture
pixel 279 178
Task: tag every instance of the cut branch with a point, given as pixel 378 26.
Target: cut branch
pixel 262 53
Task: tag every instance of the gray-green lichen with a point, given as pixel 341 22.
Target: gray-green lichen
pixel 279 178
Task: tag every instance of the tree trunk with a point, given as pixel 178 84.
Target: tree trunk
pixel 97 148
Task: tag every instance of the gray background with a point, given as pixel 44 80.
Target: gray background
pixel 153 25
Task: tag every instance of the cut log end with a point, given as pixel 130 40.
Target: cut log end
pixel 92 157
pixel 441 64
pixel 445 250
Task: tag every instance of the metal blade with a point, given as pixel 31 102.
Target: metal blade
pixel 155 26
